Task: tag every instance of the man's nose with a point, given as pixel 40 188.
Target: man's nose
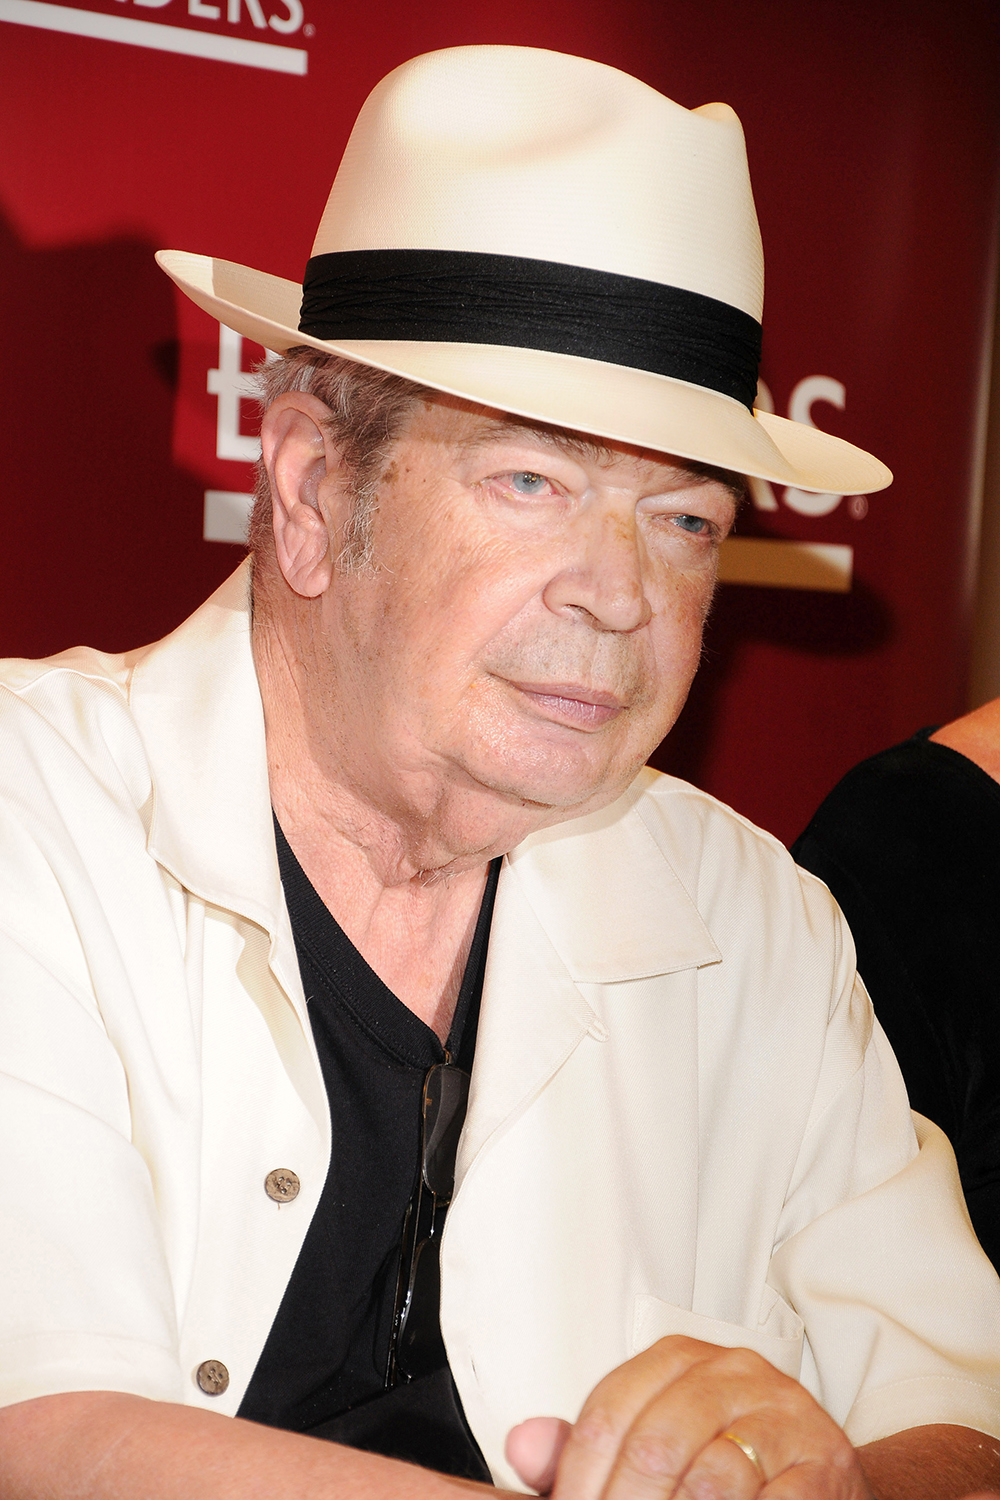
pixel 603 581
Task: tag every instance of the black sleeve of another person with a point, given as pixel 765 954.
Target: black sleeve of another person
pixel 909 844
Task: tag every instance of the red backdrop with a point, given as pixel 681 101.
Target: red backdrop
pixel 873 138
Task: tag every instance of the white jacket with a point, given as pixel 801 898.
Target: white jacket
pixel 683 1117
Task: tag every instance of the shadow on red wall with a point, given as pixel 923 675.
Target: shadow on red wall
pixel 66 301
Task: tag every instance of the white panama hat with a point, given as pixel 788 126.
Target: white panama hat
pixel 548 236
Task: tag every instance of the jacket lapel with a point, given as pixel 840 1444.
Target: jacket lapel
pixel 195 698
pixel 593 902
pixel 532 1017
pixel 609 898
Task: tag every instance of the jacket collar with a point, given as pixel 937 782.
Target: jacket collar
pixel 593 902
pixel 195 698
pixel 609 899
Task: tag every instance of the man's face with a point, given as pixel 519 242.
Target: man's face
pixel 533 617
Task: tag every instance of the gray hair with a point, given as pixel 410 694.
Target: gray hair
pixel 367 408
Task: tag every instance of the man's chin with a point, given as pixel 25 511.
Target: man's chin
pixel 555 793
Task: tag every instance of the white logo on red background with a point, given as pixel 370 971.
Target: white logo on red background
pixel 154 24
pixel 286 19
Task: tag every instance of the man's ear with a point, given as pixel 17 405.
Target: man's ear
pixel 298 456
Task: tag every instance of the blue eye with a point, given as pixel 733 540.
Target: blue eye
pixel 691 523
pixel 526 483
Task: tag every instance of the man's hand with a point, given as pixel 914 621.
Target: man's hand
pixel 665 1425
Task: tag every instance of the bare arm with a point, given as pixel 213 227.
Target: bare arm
pixel 931 1463
pixel 98 1445
pixel 105 1446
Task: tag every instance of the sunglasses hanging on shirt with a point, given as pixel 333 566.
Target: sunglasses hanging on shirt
pixel 416 1347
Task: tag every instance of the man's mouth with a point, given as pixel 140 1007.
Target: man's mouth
pixel 571 703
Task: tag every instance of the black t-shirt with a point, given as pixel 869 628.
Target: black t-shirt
pixel 328 1347
pixel 909 843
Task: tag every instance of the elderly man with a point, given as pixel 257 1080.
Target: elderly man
pixel 275 885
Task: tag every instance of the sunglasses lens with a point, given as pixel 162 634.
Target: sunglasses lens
pixel 446 1094
pixel 420 1347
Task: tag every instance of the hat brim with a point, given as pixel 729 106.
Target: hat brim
pixel 610 401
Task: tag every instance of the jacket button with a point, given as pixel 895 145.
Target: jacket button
pixel 212 1377
pixel 282 1185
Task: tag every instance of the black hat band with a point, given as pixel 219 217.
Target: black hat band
pixel 457 296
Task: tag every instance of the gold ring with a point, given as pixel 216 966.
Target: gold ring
pixel 749 1450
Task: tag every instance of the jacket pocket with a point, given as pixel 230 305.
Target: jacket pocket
pixel 778 1337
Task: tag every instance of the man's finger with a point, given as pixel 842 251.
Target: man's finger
pixel 533 1449
pixel 646 1431
pixel 676 1447
pixel 595 1442
pixel 723 1468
